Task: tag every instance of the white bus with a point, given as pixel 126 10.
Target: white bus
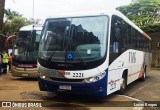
pixel 92 53
pixel 25 51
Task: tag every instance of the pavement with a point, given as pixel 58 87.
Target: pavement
pixel 26 90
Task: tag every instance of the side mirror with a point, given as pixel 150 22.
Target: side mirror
pixel 66 30
pixel 33 34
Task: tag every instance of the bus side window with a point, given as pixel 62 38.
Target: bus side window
pixel 115 40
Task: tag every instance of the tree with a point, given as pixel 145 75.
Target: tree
pixel 144 13
pixel 11 14
pixel 13 22
pixel 35 21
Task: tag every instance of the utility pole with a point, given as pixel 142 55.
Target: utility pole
pixel 2 2
pixel 33 11
pixel 158 45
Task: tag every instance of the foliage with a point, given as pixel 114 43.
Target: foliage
pixel 13 22
pixel 12 27
pixel 11 14
pixel 2 40
pixel 144 13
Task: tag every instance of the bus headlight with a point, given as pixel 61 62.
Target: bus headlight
pixel 41 75
pixel 95 78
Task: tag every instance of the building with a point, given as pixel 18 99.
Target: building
pixel 2 2
pixel 155 49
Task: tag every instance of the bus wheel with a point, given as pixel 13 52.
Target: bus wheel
pixel 123 86
pixel 143 78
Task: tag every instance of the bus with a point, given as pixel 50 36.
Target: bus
pixel 25 51
pixel 92 53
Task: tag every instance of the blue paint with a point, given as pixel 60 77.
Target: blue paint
pixel 98 88
pixel 70 55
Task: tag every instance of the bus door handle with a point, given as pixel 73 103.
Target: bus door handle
pixel 120 63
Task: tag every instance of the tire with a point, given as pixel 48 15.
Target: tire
pixel 143 78
pixel 123 86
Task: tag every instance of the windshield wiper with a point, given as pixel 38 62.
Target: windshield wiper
pixel 51 56
pixel 82 61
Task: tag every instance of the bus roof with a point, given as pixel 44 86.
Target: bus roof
pixel 31 27
pixel 101 12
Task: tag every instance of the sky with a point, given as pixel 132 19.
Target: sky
pixel 47 8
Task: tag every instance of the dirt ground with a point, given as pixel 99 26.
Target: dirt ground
pixel 15 89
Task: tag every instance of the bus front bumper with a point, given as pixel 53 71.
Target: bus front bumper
pixel 24 73
pixel 97 88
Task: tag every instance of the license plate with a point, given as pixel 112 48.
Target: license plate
pixel 65 87
pixel 24 74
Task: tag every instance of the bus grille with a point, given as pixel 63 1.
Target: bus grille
pixel 66 80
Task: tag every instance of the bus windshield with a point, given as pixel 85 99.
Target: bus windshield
pixel 26 47
pixel 72 40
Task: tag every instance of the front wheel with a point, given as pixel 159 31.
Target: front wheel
pixel 143 78
pixel 123 86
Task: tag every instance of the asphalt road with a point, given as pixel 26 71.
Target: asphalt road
pixel 148 90
pixel 26 90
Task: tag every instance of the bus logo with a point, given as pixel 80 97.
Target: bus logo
pixel 132 57
pixel 70 55
pixel 6 104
